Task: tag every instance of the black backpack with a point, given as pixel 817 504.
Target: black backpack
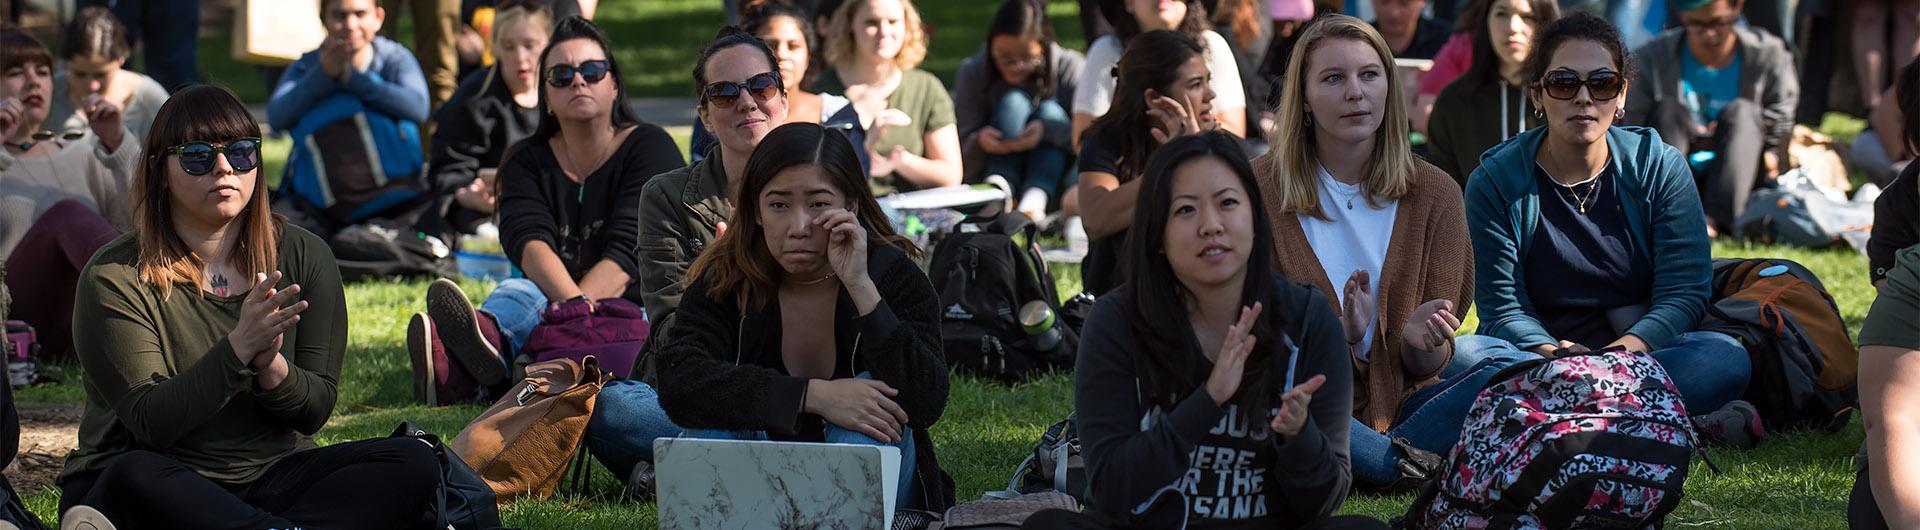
pixel 383 248
pixel 984 271
pixel 463 501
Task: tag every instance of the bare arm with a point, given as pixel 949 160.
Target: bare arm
pixel 941 166
pixel 1233 121
pixel 605 280
pixel 1890 402
pixel 1106 205
pixel 544 267
pixel 1081 121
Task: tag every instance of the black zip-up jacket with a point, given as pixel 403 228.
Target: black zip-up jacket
pixel 722 368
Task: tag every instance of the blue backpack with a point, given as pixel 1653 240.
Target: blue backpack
pixel 352 163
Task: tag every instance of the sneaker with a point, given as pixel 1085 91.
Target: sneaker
pixel 420 350
pixel 83 517
pixel 1736 425
pixel 640 482
pixel 459 330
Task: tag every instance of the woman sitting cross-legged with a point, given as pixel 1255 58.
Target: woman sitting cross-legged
pixel 1589 236
pixel 808 320
pixel 1210 392
pixel 569 217
pixel 1383 234
pixel 212 338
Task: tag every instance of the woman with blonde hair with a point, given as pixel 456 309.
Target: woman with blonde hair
pixel 1354 209
pixel 874 49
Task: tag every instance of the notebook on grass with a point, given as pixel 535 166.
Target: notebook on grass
pixel 758 484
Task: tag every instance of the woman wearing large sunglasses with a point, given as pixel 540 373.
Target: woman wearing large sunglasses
pixel 1589 236
pixel 211 339
pixel 569 216
pixel 682 212
pixel 60 194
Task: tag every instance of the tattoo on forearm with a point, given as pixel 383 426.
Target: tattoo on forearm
pixel 218 284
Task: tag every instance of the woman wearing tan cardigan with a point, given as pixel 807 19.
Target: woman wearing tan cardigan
pixel 1354 208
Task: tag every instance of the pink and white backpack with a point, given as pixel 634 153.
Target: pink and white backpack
pixel 1596 440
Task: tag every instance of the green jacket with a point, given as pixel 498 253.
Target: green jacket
pixel 680 212
pixel 161 376
pixel 1663 213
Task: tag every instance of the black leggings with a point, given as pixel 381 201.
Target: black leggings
pixel 379 483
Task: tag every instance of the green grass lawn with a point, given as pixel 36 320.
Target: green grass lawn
pixel 1796 480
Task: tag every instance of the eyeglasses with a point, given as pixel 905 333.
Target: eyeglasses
pixel 724 93
pixel 1564 84
pixel 196 158
pixel 1715 23
pixel 561 75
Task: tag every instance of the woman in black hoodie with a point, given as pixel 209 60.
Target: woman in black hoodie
pixel 1178 432
pixel 809 320
pixel 1489 103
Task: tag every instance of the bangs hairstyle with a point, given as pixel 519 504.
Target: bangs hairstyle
pixel 20 49
pixel 1292 166
pixel 517 12
pixel 95 32
pixel 738 264
pixel 1026 20
pixel 209 114
pixel 840 38
pixel 1157 303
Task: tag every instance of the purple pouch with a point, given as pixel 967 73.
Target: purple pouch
pixel 21 341
pixel 613 331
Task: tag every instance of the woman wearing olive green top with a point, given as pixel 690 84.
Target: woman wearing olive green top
pixel 211 338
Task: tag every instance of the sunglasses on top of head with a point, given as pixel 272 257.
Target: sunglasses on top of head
pixel 1565 84
pixel 197 158
pixel 762 86
pixel 561 75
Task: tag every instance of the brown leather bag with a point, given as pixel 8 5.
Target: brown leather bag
pixel 523 445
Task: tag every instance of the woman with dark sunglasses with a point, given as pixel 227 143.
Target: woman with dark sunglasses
pixel 682 212
pixel 60 194
pixel 569 217
pixel 211 338
pixel 1588 235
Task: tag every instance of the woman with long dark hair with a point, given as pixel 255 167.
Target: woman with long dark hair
pixel 1011 100
pixel 1209 389
pixel 569 217
pixel 1489 103
pixel 808 320
pixel 1099 92
pixel 1164 92
pixel 212 338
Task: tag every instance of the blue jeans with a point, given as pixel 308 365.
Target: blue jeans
pixel 1710 369
pixel 627 418
pixel 1430 419
pixel 516 304
pixel 1044 165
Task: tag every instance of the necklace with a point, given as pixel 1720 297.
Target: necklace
pixel 804 283
pixel 1335 186
pixel 1593 189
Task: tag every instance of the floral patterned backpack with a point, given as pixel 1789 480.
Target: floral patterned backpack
pixel 1597 440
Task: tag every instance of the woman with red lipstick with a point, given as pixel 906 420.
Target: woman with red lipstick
pixel 1354 209
pixel 60 195
pixel 1589 236
pixel 569 217
pixel 1488 104
pixel 492 109
pixel 1211 392
pixel 808 320
pixel 1164 92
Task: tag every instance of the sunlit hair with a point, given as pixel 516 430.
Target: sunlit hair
pixel 738 265
pixel 1291 168
pixel 208 114
pixel 840 39
pixel 514 13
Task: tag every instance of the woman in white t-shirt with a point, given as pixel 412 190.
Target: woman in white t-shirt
pixel 1133 17
pixel 1384 235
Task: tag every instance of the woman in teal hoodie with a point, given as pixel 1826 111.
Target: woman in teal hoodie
pixel 1589 236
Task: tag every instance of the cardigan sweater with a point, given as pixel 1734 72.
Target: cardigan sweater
pixel 1428 259
pixel 1663 212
